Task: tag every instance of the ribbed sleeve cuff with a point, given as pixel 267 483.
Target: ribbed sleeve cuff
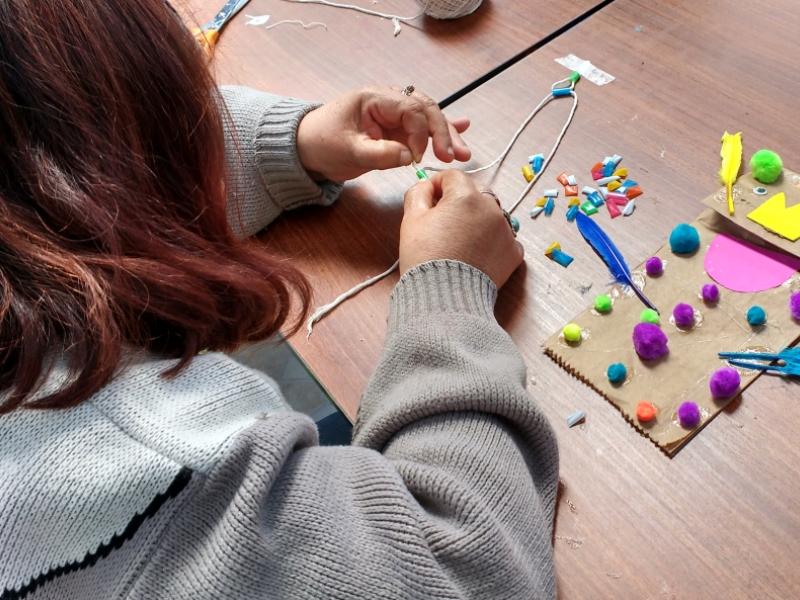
pixel 285 178
pixel 441 286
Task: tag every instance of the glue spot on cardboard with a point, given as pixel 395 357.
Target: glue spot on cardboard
pixel 743 267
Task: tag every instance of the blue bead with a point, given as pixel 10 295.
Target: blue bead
pixel 515 224
pixel 572 213
pixel 560 92
pixel 756 316
pixel 616 373
pixel 549 206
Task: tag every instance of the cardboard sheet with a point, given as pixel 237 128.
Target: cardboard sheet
pixel 684 373
pixel 746 201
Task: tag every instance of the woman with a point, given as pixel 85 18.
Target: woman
pixel 134 465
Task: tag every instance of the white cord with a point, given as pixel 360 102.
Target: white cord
pixel 298 22
pixel 322 311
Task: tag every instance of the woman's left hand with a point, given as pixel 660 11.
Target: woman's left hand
pixel 376 128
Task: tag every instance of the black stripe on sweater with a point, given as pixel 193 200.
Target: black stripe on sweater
pixel 176 487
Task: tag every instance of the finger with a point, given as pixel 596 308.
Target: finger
pixel 438 127
pixel 461 124
pixel 420 198
pixel 380 154
pixel 460 149
pixel 405 112
pixel 456 185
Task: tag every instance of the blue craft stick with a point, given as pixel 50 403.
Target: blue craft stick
pixel 549 206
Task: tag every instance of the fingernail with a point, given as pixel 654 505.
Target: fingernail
pixel 405 157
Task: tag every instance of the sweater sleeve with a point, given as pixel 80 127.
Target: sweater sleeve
pixel 265 176
pixel 447 492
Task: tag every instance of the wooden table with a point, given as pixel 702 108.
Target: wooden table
pixel 439 57
pixel 721 519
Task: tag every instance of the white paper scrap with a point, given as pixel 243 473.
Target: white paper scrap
pixel 586 69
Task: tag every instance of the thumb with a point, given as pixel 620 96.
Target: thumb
pixel 420 198
pixel 381 154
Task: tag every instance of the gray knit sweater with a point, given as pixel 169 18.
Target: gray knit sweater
pixel 207 486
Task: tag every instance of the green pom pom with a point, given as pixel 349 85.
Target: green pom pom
pixel 572 333
pixel 766 166
pixel 650 316
pixel 603 304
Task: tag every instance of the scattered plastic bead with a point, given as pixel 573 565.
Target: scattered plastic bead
pixel 684 239
pixel 760 191
pixel 756 316
pixel 689 415
pixel 606 180
pixel 571 190
pixel 630 183
pixel 613 210
pixel 588 208
pixel 597 167
pixel 629 208
pixel 597 174
pixel 613 186
pixel 586 190
pixel 572 333
pixel 575 418
pixel 603 304
pixel 608 169
pixel 645 412
pixel 648 315
pixel 551 193
pixel 616 373
pixel 514 224
pixel 724 383
pixel 649 341
pixel 555 254
pixel 562 179
pixel 794 306
pixel 684 315
pixel 618 199
pixel 622 173
pixel 537 162
pixel 596 199
pixel 633 192
pixel 710 293
pixel 536 211
pixel 560 92
pixel 541 201
pixel 603 192
pixel 654 266
pixel 527 173
pixel 549 206
pixel 571 180
pixel 572 212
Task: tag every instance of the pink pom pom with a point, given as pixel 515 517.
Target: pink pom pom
pixel 724 383
pixel 683 315
pixel 794 306
pixel 649 341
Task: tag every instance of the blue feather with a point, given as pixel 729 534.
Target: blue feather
pixel 605 249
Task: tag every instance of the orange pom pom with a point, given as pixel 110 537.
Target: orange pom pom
pixel 645 412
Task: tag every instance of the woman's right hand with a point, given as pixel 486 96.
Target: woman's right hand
pixel 447 217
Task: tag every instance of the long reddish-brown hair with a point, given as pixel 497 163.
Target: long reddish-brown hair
pixel 113 229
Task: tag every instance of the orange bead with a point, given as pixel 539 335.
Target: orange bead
pixel 634 192
pixel 645 412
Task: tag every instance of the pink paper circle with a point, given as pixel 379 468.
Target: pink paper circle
pixel 744 267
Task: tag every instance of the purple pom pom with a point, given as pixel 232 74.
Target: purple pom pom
pixel 724 383
pixel 683 315
pixel 654 266
pixel 710 293
pixel 689 415
pixel 649 341
pixel 794 306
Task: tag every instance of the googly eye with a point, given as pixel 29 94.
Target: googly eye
pixel 760 191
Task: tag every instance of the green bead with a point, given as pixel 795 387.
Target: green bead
pixel 650 316
pixel 574 77
pixel 588 208
pixel 602 303
pixel 572 333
